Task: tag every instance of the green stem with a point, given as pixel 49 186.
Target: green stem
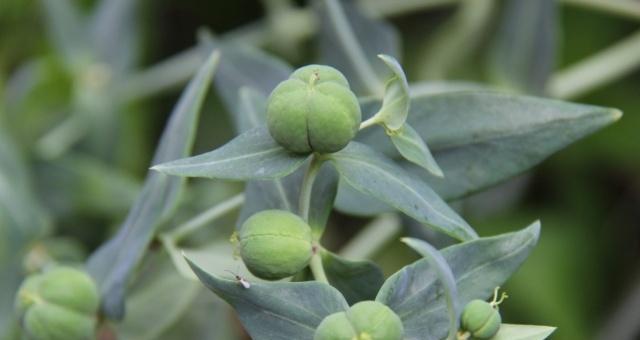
pixel 597 70
pixel 372 237
pixel 369 122
pixel 205 218
pixel 317 269
pixel 307 187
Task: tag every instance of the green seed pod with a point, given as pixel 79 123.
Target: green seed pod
pixel 58 304
pixel 367 320
pixel 275 244
pixel 313 110
pixel 481 319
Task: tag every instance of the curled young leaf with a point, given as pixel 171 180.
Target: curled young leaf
pixel 395 105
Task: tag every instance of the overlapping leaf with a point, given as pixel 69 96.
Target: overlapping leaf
pixel 112 264
pixel 523 332
pixel 478 266
pixel 373 174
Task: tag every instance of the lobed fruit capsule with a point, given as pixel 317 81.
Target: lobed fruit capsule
pixel 366 320
pixel 313 111
pixel 275 244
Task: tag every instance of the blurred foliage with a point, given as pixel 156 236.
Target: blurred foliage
pixel 587 196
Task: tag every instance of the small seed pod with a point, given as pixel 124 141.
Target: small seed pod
pixel 59 304
pixel 367 320
pixel 482 319
pixel 275 244
pixel 313 111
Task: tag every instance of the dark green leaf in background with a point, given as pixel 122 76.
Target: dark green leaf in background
pixel 356 280
pixel 277 310
pixel 524 54
pixel 252 155
pixel 115 34
pixel 112 264
pixel 478 266
pixel 67 29
pixel 373 174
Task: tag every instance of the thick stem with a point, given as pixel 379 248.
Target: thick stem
pixel 316 266
pixel 206 217
pixel 307 186
pixel 369 122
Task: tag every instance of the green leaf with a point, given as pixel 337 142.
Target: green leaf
pixel 157 287
pixel 523 56
pixel 373 174
pixel 480 139
pixel 253 105
pixel 66 27
pixel 395 105
pixel 444 274
pixel 350 42
pixel 479 266
pixel 414 149
pixel 523 332
pixel 252 155
pixel 111 265
pixel 277 310
pixel 114 32
pixel 323 195
pixel 356 280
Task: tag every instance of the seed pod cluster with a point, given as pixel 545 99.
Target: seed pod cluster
pixel 366 320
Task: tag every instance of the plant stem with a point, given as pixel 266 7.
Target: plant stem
pixel 205 217
pixel 369 122
pixel 316 266
pixel 601 68
pixel 307 187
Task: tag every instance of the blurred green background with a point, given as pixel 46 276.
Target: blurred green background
pixel 582 275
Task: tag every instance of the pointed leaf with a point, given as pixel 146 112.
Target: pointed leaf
pixel 253 106
pixel 414 149
pixel 523 332
pixel 444 274
pixel 395 105
pixel 478 267
pixel 523 56
pixel 356 280
pixel 377 176
pixel 277 310
pixel 112 264
pixel 252 155
pixel 350 41
pixel 66 28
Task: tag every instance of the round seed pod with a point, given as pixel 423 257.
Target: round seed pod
pixel 313 111
pixel 275 244
pixel 481 319
pixel 59 304
pixel 367 320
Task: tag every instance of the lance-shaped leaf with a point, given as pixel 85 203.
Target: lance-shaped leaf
pixel 523 56
pixel 349 41
pixel 252 155
pixel 523 332
pixel 112 264
pixel 323 195
pixel 414 149
pixel 415 292
pixel 67 29
pixel 395 105
pixel 444 274
pixel 480 139
pixel 373 174
pixel 253 105
pixel 277 310
pixel 114 32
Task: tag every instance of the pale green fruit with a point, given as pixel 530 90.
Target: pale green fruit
pixel 313 110
pixel 480 319
pixel 367 320
pixel 275 244
pixel 59 304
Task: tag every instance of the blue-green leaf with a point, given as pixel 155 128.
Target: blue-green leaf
pixel 444 274
pixel 373 174
pixel 112 264
pixel 523 332
pixel 414 149
pixel 356 280
pixel 114 32
pixel 252 109
pixel 252 155
pixel 395 105
pixel 67 29
pixel 276 310
pixel 323 196
pixel 478 266
pixel 350 41
pixel 523 56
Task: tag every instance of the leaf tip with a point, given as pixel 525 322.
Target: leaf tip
pixel 615 114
